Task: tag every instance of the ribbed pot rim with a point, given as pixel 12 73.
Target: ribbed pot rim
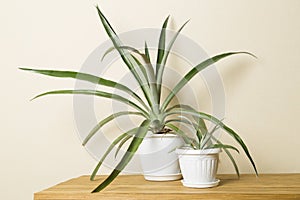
pixel 189 151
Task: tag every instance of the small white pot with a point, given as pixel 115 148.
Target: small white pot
pixel 199 167
pixel 158 159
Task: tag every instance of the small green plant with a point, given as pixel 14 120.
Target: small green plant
pixel 203 138
pixel 157 114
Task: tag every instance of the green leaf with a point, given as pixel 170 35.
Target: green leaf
pixel 147 70
pixel 180 120
pixel 221 124
pixel 161 44
pixel 236 168
pixel 97 93
pixel 108 51
pixel 152 85
pixel 200 127
pixel 105 121
pixel 193 72
pixel 143 71
pixel 124 140
pixel 133 147
pixel 89 78
pixel 125 55
pixel 160 54
pixel 109 149
pixel 179 132
pixel 160 67
pixel 129 48
pixel 242 144
pixel 207 137
pixel 147 52
pixel 148 75
pixel 224 146
pixel 230 157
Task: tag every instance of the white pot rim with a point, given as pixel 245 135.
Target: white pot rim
pixel 189 151
pixel 161 135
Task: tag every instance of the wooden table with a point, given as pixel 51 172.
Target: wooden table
pixel 128 187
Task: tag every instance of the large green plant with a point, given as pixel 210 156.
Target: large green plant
pixel 158 115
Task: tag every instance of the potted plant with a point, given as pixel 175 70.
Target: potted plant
pixel 158 160
pixel 199 158
pixel 157 114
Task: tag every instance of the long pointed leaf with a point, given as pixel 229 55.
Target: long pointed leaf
pixel 109 149
pixel 236 168
pixel 207 138
pixel 152 84
pixel 201 126
pixel 89 78
pixel 161 44
pixel 143 71
pixel 222 125
pixel 147 52
pixel 105 121
pixel 133 147
pixel 179 132
pixel 125 55
pixel 225 146
pixel 147 71
pixel 96 93
pixel 108 51
pixel 124 140
pixel 194 71
pixel 163 61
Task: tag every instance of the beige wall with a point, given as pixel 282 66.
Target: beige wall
pixel 39 143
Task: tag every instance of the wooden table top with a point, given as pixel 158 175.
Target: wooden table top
pixel 133 187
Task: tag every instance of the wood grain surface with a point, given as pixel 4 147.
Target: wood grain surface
pixel 133 187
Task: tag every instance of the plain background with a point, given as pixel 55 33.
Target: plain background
pixel 39 142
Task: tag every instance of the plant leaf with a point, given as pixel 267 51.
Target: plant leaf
pixel 124 140
pixel 147 72
pixel 161 44
pixel 133 147
pixel 221 124
pixel 224 146
pixel 109 50
pixel 147 52
pixel 161 66
pixel 105 121
pixel 143 70
pixel 236 168
pixel 129 48
pixel 200 127
pixel 207 138
pixel 230 157
pixel 152 85
pixel 96 93
pixel 125 55
pixel 179 132
pixel 89 78
pixel 193 72
pixel 109 149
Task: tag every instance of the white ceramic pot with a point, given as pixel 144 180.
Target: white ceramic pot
pixel 158 159
pixel 199 167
